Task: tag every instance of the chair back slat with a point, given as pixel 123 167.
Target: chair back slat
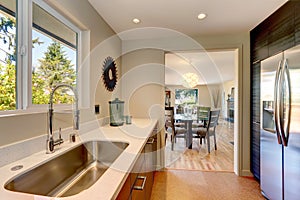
pixel 169 117
pixel 203 113
pixel 213 118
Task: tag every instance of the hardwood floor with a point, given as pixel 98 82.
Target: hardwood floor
pixel 198 158
pixel 197 185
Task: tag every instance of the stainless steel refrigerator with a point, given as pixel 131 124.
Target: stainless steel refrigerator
pixel 280 125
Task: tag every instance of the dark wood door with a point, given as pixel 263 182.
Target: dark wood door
pixel 255 118
pixel 281 29
pixel 259 42
pixel 297 24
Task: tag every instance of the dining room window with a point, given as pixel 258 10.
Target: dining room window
pixel 186 96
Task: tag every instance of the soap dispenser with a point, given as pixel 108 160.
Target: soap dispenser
pixel 116 112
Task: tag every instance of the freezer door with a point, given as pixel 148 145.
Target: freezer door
pixel 270 146
pixel 271 166
pixel 292 151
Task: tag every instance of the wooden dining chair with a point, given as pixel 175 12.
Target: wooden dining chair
pixel 179 110
pixel 202 116
pixel 210 129
pixel 177 132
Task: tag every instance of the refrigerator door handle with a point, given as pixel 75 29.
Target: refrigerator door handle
pixel 285 92
pixel 276 106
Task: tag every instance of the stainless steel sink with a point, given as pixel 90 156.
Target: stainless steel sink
pixel 69 173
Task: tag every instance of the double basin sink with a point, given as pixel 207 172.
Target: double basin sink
pixel 69 173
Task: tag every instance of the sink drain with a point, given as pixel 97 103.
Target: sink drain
pixel 15 168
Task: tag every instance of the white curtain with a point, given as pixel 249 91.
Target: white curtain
pixel 216 95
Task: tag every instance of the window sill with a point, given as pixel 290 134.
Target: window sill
pixel 37 109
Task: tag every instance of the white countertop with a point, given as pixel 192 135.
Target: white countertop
pixel 110 183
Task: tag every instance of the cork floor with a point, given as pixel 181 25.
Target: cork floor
pixel 194 174
pixel 197 185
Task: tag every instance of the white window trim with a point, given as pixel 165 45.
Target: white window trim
pixel 23 53
pixel 24 58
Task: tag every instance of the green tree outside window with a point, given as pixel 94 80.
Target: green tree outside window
pixel 53 68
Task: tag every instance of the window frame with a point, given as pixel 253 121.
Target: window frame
pixel 24 59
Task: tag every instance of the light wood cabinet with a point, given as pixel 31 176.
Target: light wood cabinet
pixel 125 192
pixel 138 185
pixel 138 179
pixel 150 160
pixel 144 180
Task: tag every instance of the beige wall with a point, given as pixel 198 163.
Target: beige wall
pixel 142 81
pixel 103 43
pixel 143 88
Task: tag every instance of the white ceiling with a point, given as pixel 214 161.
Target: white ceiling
pixel 212 67
pixel 223 17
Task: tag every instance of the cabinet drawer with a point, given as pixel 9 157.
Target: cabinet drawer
pixel 138 185
pixel 139 188
pixel 137 168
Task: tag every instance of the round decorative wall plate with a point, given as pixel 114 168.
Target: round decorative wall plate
pixel 109 74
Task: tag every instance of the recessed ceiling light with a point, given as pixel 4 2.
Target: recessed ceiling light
pixel 136 20
pixel 202 16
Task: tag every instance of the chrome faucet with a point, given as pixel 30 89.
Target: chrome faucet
pixel 51 143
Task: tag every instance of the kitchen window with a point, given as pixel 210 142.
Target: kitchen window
pixel 54 47
pixel 39 49
pixel 8 55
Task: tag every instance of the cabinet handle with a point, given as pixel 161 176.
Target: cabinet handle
pixel 143 184
pixel 150 141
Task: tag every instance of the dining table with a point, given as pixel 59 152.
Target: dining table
pixel 188 121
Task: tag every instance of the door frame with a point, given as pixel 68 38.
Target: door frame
pixel 240 142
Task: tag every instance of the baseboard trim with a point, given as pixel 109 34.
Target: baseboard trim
pixel 246 173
